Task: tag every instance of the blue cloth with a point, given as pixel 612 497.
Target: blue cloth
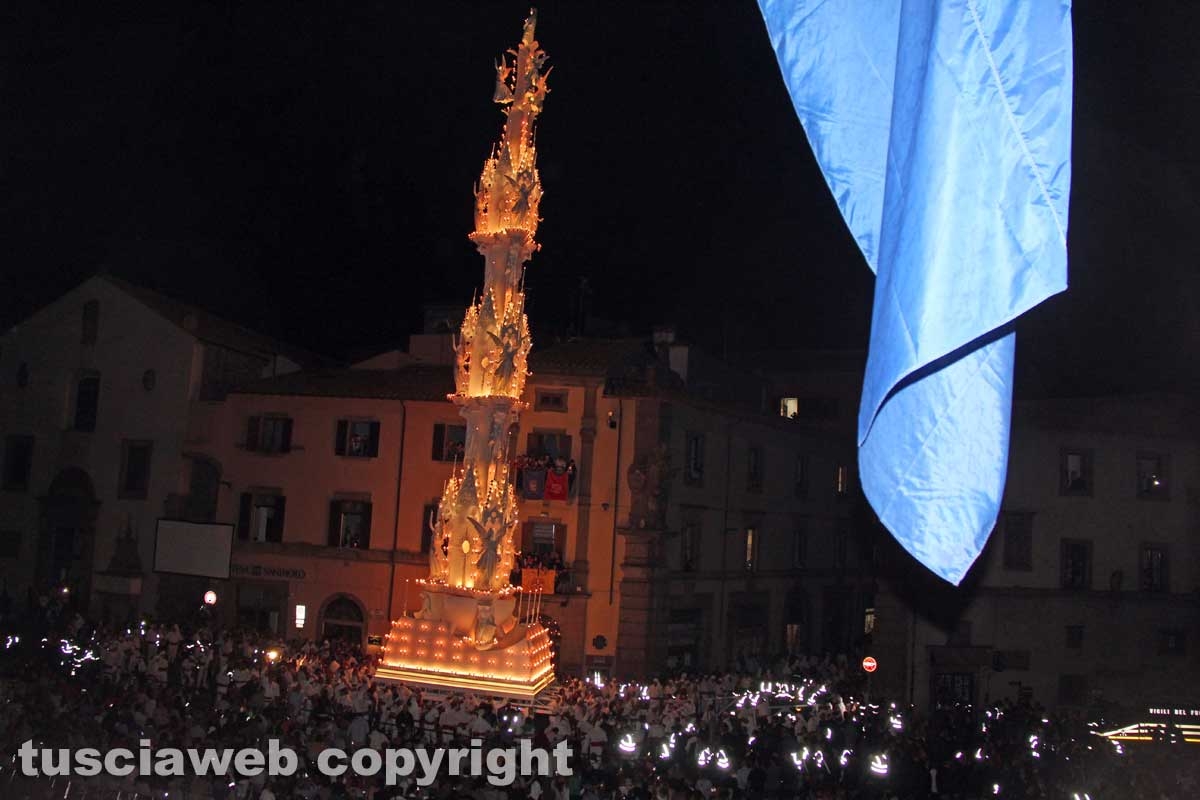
pixel 943 128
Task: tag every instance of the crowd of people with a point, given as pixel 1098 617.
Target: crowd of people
pixel 799 728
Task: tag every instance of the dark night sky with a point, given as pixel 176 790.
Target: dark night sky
pixel 307 168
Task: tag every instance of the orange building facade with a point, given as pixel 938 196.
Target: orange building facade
pixel 331 479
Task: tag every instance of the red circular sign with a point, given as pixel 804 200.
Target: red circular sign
pixel 869 664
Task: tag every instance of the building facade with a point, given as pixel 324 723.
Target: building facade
pixel 95 397
pixel 1087 593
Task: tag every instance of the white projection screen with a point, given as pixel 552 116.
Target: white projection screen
pixel 193 548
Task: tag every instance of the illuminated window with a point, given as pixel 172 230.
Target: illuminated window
pixel 301 614
pixel 350 524
pixel 356 438
pixel 789 407
pixel 448 442
pixel 551 445
pixel 1075 473
pixel 1152 483
pixel 751 547
pixel 868 621
pixel 260 517
pixel 842 484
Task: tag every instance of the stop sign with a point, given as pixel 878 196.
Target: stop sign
pixel 869 664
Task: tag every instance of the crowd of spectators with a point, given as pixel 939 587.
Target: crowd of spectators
pixel 797 728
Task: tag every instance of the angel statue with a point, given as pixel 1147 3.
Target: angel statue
pixel 503 94
pixel 508 344
pixel 491 532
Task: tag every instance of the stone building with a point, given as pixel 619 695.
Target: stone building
pixel 96 393
pixel 1087 592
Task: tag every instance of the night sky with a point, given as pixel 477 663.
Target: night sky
pixel 306 169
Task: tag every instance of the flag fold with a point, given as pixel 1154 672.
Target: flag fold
pixel 943 128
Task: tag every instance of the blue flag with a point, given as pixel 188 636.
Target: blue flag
pixel 943 128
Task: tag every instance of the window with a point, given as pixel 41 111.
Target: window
pixel 91 321
pixel 868 621
pixel 750 547
pixel 842 483
pixel 449 442
pixel 800 478
pixel 541 539
pixel 694 461
pixel 809 408
pixel 1074 637
pixel 1018 540
pixel 549 445
pixel 357 438
pixel 800 546
pixel 301 615
pixel 10 544
pixel 1076 564
pixel 754 469
pixel 688 538
pixel 260 517
pixel 550 401
pixel 22 375
pixel 428 518
pixel 1075 473
pixel 18 462
pixel 1153 568
pixel 87 398
pixel 1172 642
pixel 269 434
pixel 1152 476
pixel 350 524
pixel 135 470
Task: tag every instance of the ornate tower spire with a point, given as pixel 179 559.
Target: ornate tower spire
pixel 478 513
pixel 468 605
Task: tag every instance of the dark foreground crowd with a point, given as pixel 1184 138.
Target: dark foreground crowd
pixel 798 728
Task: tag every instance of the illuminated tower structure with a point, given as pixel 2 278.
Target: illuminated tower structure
pixel 469 632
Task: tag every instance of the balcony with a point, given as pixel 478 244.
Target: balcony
pixel 541 477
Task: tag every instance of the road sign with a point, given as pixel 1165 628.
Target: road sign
pixel 210 598
pixel 869 664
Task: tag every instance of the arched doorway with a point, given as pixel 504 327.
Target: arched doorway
pixel 67 535
pixel 342 618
